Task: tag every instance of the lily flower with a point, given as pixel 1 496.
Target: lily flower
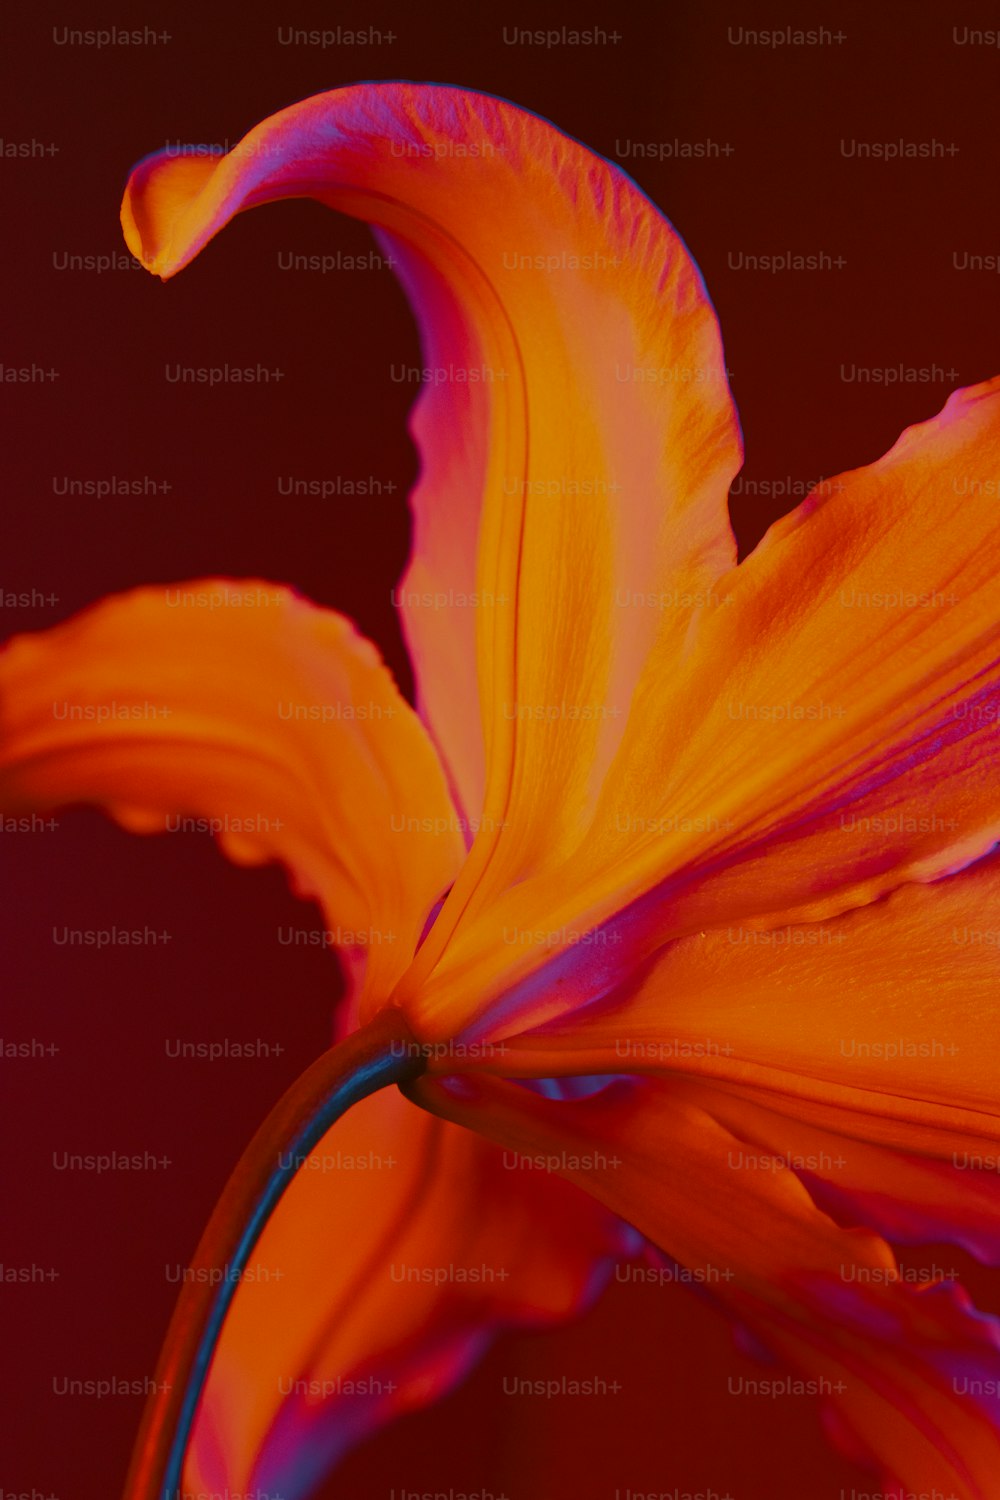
pixel 689 867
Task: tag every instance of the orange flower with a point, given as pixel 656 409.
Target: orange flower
pixel 717 840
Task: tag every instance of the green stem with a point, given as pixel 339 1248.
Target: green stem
pixel 381 1053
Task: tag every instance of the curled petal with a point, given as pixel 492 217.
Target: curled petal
pixel 268 720
pixel 577 432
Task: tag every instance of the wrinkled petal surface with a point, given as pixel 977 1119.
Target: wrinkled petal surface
pixel 896 1001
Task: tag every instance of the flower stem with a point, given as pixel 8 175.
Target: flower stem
pixel 381 1053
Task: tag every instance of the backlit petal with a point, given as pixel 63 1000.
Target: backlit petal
pixel 830 734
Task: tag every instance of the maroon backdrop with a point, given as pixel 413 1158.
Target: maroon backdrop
pixel 780 174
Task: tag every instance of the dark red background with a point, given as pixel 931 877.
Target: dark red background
pixel 786 186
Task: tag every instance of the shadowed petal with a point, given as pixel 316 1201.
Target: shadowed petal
pixel 909 1374
pixel 914 1185
pixel 399 1249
